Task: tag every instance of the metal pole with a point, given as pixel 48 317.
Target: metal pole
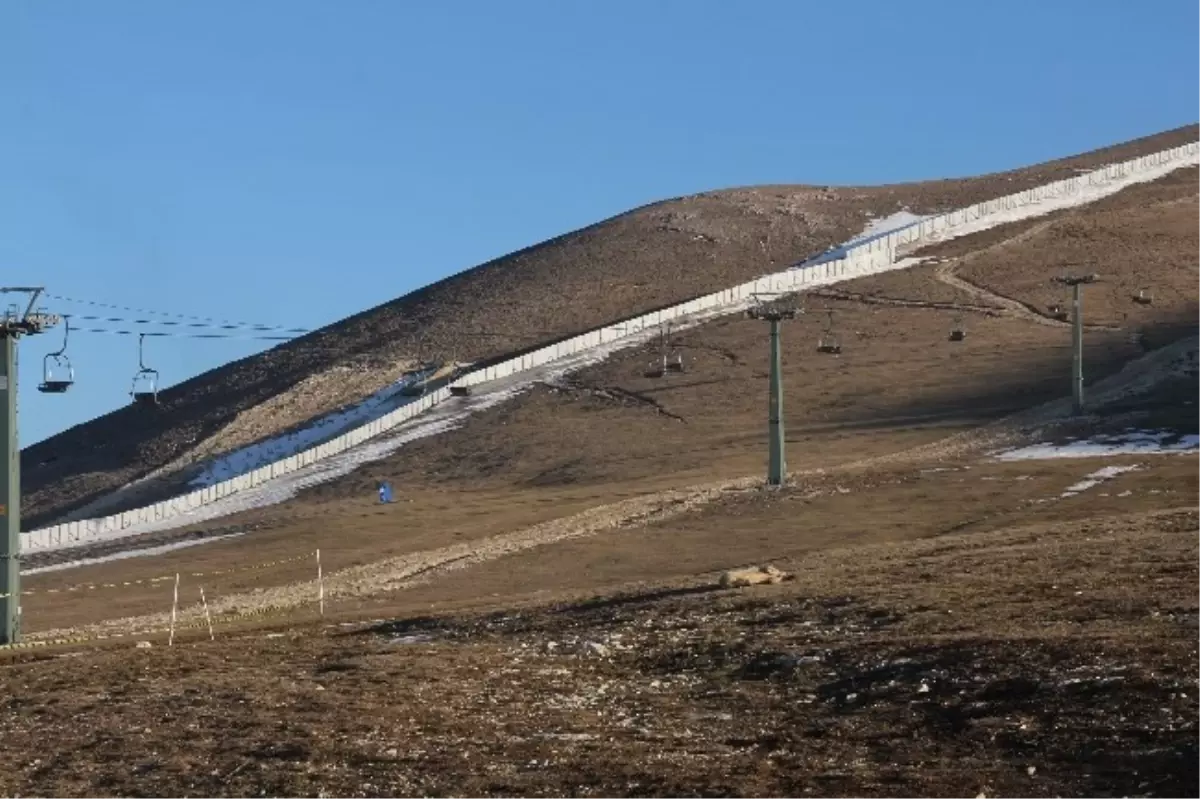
pixel 1077 350
pixel 777 466
pixel 10 495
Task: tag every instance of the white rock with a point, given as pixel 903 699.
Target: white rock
pixel 1031 770
pixel 143 644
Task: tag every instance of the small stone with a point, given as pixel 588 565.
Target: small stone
pixel 924 689
pixel 1031 770
pixel 143 645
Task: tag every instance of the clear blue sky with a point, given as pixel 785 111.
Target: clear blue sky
pixel 292 162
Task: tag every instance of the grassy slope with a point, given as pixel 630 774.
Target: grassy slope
pixel 646 258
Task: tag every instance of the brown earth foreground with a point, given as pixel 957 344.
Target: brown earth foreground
pixel 1045 649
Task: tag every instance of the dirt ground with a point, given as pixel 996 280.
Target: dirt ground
pixel 1003 662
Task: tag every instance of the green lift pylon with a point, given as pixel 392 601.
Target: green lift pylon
pixel 1076 282
pixel 14 323
pixel 777 456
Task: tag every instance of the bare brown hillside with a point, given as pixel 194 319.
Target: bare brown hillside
pixel 608 434
pixel 650 257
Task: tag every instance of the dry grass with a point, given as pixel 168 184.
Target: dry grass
pixel 690 246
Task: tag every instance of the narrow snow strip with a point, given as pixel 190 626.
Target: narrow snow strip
pixel 1097 477
pixel 129 553
pixel 1138 442
pixel 1088 193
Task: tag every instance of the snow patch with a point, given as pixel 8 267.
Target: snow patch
pixel 1136 442
pixel 878 228
pixel 262 453
pixel 1097 477
pixel 129 553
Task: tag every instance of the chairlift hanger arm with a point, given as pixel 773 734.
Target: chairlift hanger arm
pixel 66 337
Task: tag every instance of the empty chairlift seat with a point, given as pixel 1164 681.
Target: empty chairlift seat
pixel 675 362
pixel 828 342
pixel 145 382
pixel 958 332
pixel 57 373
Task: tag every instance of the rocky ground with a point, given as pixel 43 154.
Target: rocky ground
pixel 1008 663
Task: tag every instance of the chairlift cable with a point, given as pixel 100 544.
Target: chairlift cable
pixel 123 320
pixel 164 334
pixel 211 321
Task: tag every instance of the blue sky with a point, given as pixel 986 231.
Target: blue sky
pixel 291 162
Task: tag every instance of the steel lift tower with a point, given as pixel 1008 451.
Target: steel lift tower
pixel 1076 282
pixel 777 459
pixel 14 323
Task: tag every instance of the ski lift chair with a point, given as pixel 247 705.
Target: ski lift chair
pixel 57 373
pixel 958 332
pixel 828 344
pixel 674 362
pixel 656 368
pixel 145 387
pixel 145 382
pixel 1143 297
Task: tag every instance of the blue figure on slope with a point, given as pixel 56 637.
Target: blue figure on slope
pixel 385 492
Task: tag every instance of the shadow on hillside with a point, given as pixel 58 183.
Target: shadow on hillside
pixel 1032 381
